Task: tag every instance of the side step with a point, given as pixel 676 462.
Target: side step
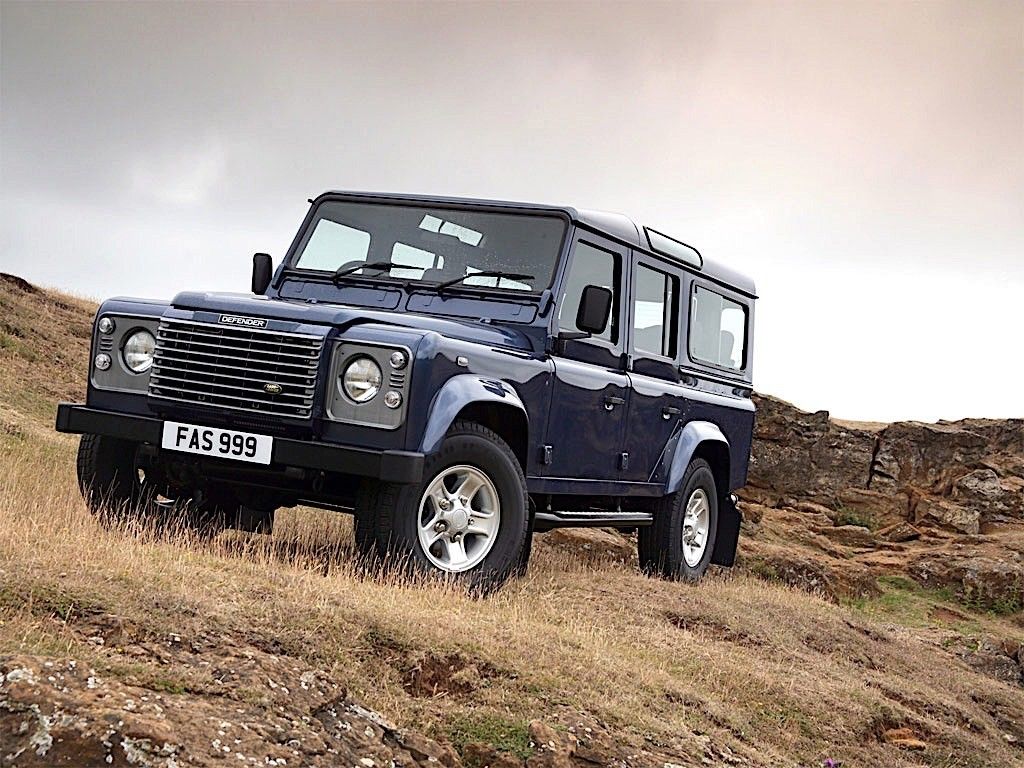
pixel 545 521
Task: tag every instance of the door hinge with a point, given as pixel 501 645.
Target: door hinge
pixel 546 454
pixel 623 461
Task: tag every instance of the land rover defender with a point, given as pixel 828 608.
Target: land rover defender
pixel 457 374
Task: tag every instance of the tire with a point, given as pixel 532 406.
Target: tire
pixel 661 546
pixel 106 474
pixel 110 482
pixel 492 523
pixel 364 522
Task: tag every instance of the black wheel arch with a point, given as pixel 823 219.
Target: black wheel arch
pixel 507 421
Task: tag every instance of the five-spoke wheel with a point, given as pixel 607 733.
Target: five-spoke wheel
pixel 460 516
pixel 680 542
pixel 469 517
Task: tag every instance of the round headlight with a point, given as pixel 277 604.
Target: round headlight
pixel 361 380
pixel 138 351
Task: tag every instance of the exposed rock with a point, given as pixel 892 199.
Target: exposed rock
pixel 831 506
pixel 63 713
pixel 984 491
pixel 800 457
pixel 946 514
pixel 979 579
pixel 848 535
pixel 899 532
pixel 806 454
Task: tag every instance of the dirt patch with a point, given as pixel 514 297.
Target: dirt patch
pixel 949 615
pixel 18 282
pixel 431 675
pixel 714 629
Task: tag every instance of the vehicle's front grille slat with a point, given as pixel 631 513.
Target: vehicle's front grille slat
pixel 253 355
pixel 231 342
pixel 252 370
pixel 254 389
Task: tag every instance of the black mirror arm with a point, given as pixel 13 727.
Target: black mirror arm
pixel 563 336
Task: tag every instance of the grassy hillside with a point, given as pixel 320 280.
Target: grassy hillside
pixel 170 651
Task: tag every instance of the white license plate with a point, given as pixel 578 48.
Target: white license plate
pixel 222 443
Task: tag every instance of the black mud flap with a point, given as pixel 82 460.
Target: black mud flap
pixel 729 519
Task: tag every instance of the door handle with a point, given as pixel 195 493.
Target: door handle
pixel 669 411
pixel 611 401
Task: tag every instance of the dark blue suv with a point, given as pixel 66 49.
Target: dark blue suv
pixel 455 373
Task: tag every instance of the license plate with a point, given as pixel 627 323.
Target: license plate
pixel 222 443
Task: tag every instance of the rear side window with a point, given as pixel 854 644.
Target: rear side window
pixel 718 330
pixel 654 312
pixel 590 266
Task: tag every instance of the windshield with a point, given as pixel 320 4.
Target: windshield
pixel 433 245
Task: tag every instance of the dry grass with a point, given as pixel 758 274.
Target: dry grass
pixel 778 675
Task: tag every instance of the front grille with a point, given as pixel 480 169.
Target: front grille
pixel 242 369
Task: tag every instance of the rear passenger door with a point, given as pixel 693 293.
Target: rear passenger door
pixel 588 405
pixel 657 404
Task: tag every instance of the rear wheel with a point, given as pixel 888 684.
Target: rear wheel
pixel 680 542
pixel 469 517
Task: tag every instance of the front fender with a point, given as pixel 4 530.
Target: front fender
pixel 458 392
pixel 693 434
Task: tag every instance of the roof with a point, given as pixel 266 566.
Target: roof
pixel 614 225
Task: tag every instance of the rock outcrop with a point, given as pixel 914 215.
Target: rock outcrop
pixel 831 504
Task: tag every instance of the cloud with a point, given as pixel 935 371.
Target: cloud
pixel 833 151
pixel 185 175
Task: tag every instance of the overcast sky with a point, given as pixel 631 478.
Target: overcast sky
pixel 864 162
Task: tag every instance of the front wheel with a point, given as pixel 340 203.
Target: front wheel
pixel 468 518
pixel 118 489
pixel 680 541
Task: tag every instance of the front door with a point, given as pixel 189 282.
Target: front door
pixel 586 422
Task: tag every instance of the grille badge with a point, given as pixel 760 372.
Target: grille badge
pixel 247 322
pixel 272 389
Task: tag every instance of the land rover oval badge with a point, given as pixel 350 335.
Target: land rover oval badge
pixel 272 389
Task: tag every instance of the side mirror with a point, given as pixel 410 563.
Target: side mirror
pixel 262 271
pixel 595 308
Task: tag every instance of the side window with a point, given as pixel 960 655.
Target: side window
pixel 718 330
pixel 591 266
pixel 655 309
pixel 333 244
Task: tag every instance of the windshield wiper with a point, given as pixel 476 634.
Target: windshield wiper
pixel 344 271
pixel 485 273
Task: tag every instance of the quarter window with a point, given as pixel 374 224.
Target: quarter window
pixel 718 330
pixel 590 266
pixel 654 312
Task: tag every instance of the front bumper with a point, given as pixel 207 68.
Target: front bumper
pixel 393 466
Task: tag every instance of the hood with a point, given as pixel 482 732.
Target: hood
pixel 343 317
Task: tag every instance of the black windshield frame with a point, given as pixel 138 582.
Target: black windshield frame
pixel 512 239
